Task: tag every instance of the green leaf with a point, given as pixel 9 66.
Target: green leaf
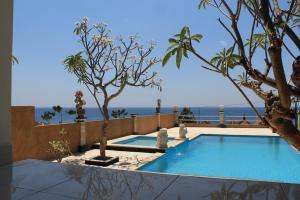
pixel 185 53
pixel 182 33
pixel 178 57
pixel 214 59
pixel 173 41
pixel 167 58
pixel 15 60
pixel 197 37
pixel 203 4
pixel 172 46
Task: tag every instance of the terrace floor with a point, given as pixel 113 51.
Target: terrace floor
pixel 133 160
pixel 35 179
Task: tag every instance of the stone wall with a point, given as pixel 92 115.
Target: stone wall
pixel 30 140
pixel 167 120
pixel 147 124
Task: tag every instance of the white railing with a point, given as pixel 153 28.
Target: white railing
pixel 215 119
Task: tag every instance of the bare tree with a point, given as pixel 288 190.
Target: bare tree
pixel 106 67
pixel 272 25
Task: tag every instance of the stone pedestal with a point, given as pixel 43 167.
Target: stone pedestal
pixel 176 113
pixel 134 123
pixel 221 116
pixel 83 145
pixel 162 139
pixel 158 121
pixel 182 131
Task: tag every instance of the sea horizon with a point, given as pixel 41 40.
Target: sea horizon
pixel 203 113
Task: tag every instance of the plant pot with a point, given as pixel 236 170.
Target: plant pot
pixel 99 161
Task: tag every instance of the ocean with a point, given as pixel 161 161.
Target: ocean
pixel 202 113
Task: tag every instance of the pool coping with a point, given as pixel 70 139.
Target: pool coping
pixel 139 148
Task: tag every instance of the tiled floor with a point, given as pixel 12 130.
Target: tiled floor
pixel 33 179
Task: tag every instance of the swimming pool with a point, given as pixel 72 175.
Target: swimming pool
pixel 240 157
pixel 140 141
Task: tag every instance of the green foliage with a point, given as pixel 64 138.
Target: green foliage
pixel 71 112
pixel 14 60
pixel 120 113
pixel 58 110
pixel 180 44
pixel 47 116
pixel 258 40
pixel 241 79
pixel 204 4
pixel 187 116
pixel 60 148
pixel 225 59
pixel 74 64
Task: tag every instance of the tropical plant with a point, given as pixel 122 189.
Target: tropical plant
pixel 58 109
pixel 60 148
pixel 274 34
pixel 71 112
pixel 47 116
pixel 80 102
pixel 119 113
pixel 106 67
pixel 187 116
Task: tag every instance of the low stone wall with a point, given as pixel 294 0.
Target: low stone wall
pixel 30 140
pixel 146 124
pixel 116 128
pixel 167 120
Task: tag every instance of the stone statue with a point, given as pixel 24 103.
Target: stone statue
pixel 162 139
pixel 182 131
pixel 158 105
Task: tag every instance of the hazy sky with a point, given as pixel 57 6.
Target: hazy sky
pixel 43 37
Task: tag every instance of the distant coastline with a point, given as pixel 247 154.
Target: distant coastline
pixel 92 113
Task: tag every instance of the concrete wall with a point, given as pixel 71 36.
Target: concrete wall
pixel 116 128
pixel 32 141
pixel 167 120
pixel 147 124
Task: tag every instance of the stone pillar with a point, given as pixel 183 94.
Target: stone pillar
pixel 83 146
pixel 134 123
pixel 6 33
pixel 221 116
pixel 176 113
pixel 158 120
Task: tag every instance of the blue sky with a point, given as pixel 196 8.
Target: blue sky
pixel 43 37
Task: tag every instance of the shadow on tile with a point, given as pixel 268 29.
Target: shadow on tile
pixel 205 188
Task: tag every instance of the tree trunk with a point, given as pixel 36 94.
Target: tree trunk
pixel 103 139
pixel 287 130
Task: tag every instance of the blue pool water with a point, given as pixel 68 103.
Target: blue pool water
pixel 141 141
pixel 241 157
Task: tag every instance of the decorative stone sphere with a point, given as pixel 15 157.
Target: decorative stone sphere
pixel 182 131
pixel 162 139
